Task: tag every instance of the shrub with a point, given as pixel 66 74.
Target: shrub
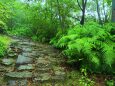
pixel 20 31
pixel 92 45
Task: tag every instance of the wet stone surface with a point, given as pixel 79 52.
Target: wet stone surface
pixel 35 64
pixel 26 67
pixel 24 74
pixel 23 60
pixel 7 61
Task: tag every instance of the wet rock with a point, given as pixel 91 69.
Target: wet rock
pixel 31 54
pixel 19 82
pixel 23 60
pixel 7 61
pixel 24 74
pixel 43 77
pixel 26 67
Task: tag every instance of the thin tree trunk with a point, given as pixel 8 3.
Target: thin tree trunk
pixel 59 13
pixel 83 8
pixel 98 12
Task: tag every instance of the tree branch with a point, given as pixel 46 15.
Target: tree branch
pixel 79 5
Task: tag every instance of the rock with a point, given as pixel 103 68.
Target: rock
pixel 43 70
pixel 26 67
pixel 31 54
pixel 20 82
pixel 24 74
pixel 7 61
pixel 43 77
pixel 23 60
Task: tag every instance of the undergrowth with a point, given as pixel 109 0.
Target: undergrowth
pixel 92 45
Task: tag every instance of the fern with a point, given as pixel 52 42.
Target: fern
pixel 91 44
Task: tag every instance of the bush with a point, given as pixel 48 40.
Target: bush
pixel 20 31
pixel 92 45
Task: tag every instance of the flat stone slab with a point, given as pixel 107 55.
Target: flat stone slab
pixel 23 60
pixel 26 67
pixel 7 61
pixel 24 74
pixel 42 60
pixel 43 70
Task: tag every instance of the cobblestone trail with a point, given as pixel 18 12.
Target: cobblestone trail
pixel 31 64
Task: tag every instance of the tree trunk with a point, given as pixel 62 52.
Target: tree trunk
pixel 82 18
pixel 113 10
pixel 83 8
pixel 98 12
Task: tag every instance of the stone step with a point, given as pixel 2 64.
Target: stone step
pixel 43 70
pixel 26 67
pixel 23 60
pixel 47 77
pixel 19 75
pixel 41 62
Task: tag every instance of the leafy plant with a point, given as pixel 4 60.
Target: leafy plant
pixel 110 83
pixel 90 44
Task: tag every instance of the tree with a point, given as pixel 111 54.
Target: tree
pixel 98 12
pixel 113 10
pixel 83 9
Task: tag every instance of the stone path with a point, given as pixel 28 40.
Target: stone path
pixel 31 64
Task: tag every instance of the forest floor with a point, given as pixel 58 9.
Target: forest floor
pixel 28 63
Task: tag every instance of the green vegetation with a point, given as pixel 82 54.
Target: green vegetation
pixel 91 45
pixel 81 29
pixel 4 44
